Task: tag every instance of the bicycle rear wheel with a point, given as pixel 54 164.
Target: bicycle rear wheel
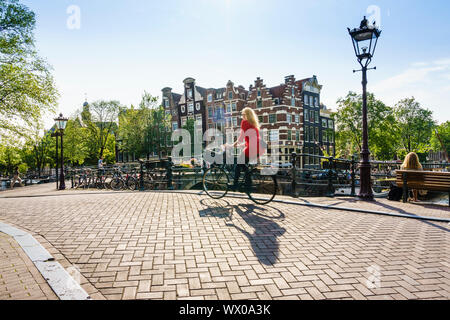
pixel 215 183
pixel 261 189
pixel 117 184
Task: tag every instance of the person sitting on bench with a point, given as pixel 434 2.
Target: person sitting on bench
pixel 412 163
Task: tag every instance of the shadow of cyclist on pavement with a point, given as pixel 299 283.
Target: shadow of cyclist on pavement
pixel 264 239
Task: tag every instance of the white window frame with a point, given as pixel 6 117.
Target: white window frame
pixel 275 133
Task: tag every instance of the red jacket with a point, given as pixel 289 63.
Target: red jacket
pixel 251 134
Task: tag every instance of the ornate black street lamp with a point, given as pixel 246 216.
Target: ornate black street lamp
pixel 365 40
pixel 61 124
pixel 56 135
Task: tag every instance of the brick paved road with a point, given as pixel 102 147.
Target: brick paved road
pixel 186 246
pixel 19 278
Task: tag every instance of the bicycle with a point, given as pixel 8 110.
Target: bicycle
pixel 117 182
pixel 84 179
pixel 100 180
pixel 216 182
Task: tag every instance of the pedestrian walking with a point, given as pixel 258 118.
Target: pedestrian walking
pixel 16 178
pixel 101 168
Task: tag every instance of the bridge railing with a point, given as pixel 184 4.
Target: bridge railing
pixel 304 175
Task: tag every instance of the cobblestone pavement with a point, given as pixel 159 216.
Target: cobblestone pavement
pixel 156 245
pixel 19 278
pixel 384 205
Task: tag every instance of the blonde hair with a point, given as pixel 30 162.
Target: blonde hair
pixel 251 117
pixel 412 162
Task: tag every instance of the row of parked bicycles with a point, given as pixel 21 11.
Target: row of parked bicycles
pixel 119 179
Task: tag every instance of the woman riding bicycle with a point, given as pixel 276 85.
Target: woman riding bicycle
pixel 250 134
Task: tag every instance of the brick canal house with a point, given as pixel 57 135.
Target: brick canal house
pixel 290 114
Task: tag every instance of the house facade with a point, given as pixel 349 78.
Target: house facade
pixel 291 114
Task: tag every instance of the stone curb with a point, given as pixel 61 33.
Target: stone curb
pixel 64 286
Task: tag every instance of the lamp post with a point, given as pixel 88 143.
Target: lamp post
pixel 56 135
pixel 61 124
pixel 365 40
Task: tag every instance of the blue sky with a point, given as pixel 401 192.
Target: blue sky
pixel 125 47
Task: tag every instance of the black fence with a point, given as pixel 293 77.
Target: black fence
pixel 305 175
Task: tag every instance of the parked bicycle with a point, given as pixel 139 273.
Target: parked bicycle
pixel 85 179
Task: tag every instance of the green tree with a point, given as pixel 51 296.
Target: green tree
pixel 101 123
pixel 160 130
pixel 27 89
pixel 348 119
pixel 39 151
pixel 76 149
pixel 440 140
pixel 9 158
pixel 414 125
pixel 132 130
pixel 145 130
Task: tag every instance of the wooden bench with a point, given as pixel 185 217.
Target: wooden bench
pixel 423 180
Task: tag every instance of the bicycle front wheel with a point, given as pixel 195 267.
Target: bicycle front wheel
pixel 215 183
pixel 132 184
pixel 261 189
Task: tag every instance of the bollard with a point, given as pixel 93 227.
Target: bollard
pixel 353 175
pixel 294 173
pixel 169 174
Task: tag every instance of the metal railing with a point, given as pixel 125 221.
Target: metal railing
pixel 305 175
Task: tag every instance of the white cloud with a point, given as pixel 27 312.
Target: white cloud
pixel 428 82
pixel 419 64
pixel 443 62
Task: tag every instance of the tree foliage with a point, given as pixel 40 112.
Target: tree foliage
pixel 76 149
pixel 414 125
pixel 27 89
pixel 348 119
pixel 440 140
pixel 393 132
pixel 146 130
pixel 101 122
